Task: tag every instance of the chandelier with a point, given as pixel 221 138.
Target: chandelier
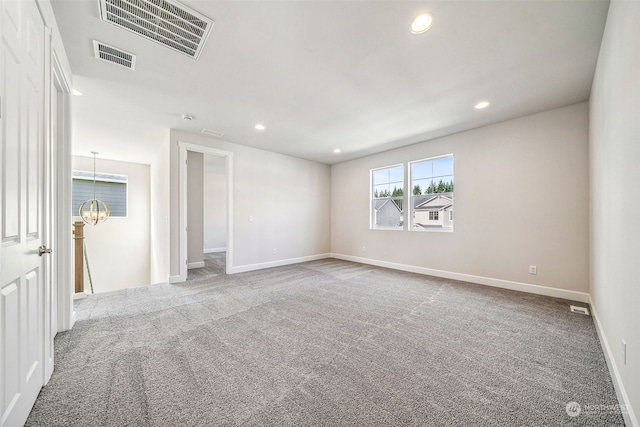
pixel 94 211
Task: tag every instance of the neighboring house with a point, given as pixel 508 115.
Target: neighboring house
pixel 387 213
pixel 435 211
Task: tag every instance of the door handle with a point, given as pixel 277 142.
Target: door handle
pixel 43 250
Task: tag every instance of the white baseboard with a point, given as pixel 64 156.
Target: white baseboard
pixel 278 263
pixel 488 281
pixel 197 264
pixel 79 295
pixel 175 279
pixel 628 414
pixel 214 250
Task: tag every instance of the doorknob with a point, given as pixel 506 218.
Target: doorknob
pixel 43 250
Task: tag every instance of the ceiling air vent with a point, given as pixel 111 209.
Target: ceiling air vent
pixel 113 54
pixel 215 133
pixel 164 21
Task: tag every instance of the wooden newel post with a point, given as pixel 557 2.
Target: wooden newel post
pixel 78 237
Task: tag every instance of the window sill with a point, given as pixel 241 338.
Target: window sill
pixel 431 230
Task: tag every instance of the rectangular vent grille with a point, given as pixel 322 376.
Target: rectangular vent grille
pixel 164 21
pixel 113 54
pixel 215 133
pixel 580 310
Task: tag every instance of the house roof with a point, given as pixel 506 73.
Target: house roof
pixel 436 202
pixel 382 202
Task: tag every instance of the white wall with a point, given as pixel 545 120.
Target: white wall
pixel 195 209
pixel 215 204
pixel 159 217
pixel 521 198
pixel 289 199
pixel 118 249
pixel 615 201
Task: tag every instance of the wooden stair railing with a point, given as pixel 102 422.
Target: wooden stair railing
pixel 78 237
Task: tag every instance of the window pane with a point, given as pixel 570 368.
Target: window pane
pixel 380 176
pixel 396 174
pixel 432 194
pixel 443 166
pixel 387 191
pixel 379 189
pixel 114 194
pixel 421 170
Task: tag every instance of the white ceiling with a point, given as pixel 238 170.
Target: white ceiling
pixel 325 74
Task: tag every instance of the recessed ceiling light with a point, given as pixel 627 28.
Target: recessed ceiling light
pixel 187 117
pixel 259 127
pixel 421 23
pixel 337 150
pixel 76 92
pixel 481 105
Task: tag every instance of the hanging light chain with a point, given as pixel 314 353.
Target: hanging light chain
pixel 97 211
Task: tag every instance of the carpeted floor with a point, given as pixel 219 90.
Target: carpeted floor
pixel 214 264
pixel 326 343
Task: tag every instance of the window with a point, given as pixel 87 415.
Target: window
pixel 387 193
pixel 111 189
pixel 432 194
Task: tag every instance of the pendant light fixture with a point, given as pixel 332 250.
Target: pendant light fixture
pixel 94 211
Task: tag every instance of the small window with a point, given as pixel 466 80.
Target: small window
pixel 387 194
pixel 432 194
pixel 109 188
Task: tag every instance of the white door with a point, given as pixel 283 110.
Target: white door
pixel 22 286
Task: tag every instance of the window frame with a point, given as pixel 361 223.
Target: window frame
pixel 77 174
pixel 411 215
pixel 372 225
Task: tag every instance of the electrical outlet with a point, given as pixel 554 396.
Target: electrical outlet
pixel 533 269
pixel 274 251
pixel 250 218
pixel 364 249
pixel 624 352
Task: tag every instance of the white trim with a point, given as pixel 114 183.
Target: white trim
pixel 214 250
pixel 197 264
pixel 279 263
pixel 79 295
pixel 100 176
pixel 480 280
pixel 183 147
pixel 628 415
pixel 61 83
pixel 175 279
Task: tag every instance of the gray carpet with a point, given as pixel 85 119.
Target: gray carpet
pixel 214 264
pixel 326 343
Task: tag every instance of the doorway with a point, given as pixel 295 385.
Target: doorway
pixel 192 238
pixel 206 215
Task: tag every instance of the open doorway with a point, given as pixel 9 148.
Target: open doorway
pixel 219 249
pixel 206 215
